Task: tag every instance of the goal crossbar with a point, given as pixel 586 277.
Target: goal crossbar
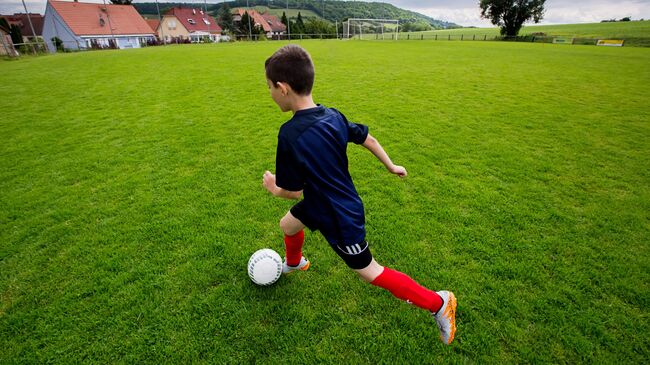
pixel 361 20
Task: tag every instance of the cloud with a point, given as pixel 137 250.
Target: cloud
pixel 462 16
pixel 467 13
pixel 16 6
pixel 558 12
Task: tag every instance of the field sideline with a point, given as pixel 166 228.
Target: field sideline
pixel 635 34
pixel 131 199
pixel 635 29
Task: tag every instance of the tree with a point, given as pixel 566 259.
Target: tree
pixel 245 24
pixel 121 2
pixel 225 18
pixel 317 26
pixel 16 34
pixel 416 26
pixel 511 15
pixel 299 27
pixel 58 43
pixel 284 19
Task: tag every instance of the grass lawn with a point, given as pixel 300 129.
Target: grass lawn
pixel 636 33
pixel 131 199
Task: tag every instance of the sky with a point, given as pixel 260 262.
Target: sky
pixel 463 12
pixel 467 13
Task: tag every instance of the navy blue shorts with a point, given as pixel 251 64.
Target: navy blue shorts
pixel 356 255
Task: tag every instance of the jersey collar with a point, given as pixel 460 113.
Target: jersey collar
pixel 317 108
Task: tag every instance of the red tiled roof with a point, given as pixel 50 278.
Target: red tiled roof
pixel 274 22
pixel 93 19
pixel 198 18
pixel 153 23
pixel 21 21
pixel 256 18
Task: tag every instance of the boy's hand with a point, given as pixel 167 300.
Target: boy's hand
pixel 398 170
pixel 268 182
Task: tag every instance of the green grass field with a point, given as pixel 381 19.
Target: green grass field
pixel 131 199
pixel 637 29
pixel 636 33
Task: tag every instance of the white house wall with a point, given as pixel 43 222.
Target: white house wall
pixel 54 26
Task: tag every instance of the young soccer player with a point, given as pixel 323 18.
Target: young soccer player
pixel 312 161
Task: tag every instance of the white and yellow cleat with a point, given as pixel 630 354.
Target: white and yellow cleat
pixel 446 317
pixel 302 266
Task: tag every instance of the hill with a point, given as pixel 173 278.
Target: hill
pixel 328 10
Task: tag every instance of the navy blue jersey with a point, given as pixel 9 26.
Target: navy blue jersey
pixel 312 156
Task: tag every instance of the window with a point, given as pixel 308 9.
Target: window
pixel 207 22
pixel 171 24
pixel 191 21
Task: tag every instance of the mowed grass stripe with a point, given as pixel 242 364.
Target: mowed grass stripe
pixel 130 200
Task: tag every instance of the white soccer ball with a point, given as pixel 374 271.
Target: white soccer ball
pixel 265 267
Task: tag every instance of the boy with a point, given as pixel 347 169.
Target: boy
pixel 312 160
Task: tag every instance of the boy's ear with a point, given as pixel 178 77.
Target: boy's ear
pixel 284 87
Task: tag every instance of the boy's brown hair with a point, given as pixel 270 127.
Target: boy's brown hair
pixel 293 65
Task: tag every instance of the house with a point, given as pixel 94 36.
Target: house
pixel 20 20
pixel 198 24
pixel 87 25
pixel 172 30
pixel 6 45
pixel 277 27
pixel 270 24
pixel 154 24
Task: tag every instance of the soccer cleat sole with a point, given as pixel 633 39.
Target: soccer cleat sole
pixel 450 312
pixel 304 268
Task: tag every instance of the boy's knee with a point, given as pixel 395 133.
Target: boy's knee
pixel 287 227
pixel 283 225
pixel 370 272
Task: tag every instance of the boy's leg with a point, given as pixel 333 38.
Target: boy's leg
pixel 401 286
pixel 441 304
pixel 359 259
pixel 294 238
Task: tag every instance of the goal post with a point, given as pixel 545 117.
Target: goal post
pixel 371 28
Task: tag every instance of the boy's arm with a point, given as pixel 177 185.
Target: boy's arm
pixel 373 146
pixel 269 183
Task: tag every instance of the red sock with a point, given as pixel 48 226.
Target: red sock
pixel 293 247
pixel 405 288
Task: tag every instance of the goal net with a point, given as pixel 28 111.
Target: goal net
pixel 371 29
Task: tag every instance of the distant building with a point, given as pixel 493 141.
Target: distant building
pixel 270 24
pixel 154 24
pixel 20 20
pixel 277 27
pixel 85 25
pixel 197 24
pixel 172 30
pixel 6 45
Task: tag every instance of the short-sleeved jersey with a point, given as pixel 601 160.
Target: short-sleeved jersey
pixel 312 156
